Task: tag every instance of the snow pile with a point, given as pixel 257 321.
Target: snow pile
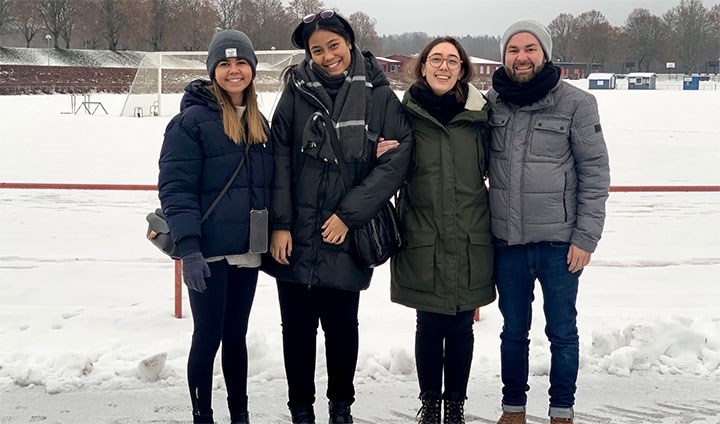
pixel 679 345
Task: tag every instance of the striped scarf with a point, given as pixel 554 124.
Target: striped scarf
pixel 349 111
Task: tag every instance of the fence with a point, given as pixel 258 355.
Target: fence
pixel 177 268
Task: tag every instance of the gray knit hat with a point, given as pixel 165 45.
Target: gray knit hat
pixel 230 43
pixel 535 28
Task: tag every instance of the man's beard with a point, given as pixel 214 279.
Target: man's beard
pixel 525 76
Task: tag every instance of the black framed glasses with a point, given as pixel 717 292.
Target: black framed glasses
pixel 323 15
pixel 436 61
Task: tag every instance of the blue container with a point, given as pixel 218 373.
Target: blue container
pixel 691 82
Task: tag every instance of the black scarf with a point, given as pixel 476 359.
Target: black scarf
pixel 530 92
pixel 348 99
pixel 443 108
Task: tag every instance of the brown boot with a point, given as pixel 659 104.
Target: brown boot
pixel 512 418
pixel 556 420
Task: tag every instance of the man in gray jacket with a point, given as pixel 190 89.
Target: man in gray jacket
pixel 549 180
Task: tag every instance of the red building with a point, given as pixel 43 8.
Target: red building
pixel 484 67
pixel 401 61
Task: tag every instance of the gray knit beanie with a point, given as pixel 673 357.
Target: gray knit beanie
pixel 230 43
pixel 535 28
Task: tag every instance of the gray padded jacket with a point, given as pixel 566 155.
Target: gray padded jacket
pixel 549 169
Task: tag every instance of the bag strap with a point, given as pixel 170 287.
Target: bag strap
pixel 337 151
pixel 227 186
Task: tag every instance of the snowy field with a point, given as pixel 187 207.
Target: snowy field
pixel 86 302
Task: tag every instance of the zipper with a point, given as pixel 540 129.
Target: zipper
pixel 564 199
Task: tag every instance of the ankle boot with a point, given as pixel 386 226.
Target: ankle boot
pixel 199 418
pixel 454 412
pixel 512 418
pixel 240 418
pixel 303 415
pixel 339 413
pixel 429 412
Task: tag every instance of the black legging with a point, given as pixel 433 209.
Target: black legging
pixel 444 343
pixel 221 313
pixel 301 307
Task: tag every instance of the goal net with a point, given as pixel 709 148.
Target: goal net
pixel 162 76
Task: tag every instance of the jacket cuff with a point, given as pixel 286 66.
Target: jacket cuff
pixel 188 245
pixel 344 219
pixel 584 244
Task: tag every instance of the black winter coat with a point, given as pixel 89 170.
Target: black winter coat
pixel 196 161
pixel 308 190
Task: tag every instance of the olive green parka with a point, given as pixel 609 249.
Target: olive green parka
pixel 446 263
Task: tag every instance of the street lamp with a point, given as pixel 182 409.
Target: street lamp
pixel 48 38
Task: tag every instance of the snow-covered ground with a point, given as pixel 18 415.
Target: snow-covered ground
pixel 85 300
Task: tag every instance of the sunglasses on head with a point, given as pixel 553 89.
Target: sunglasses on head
pixel 323 15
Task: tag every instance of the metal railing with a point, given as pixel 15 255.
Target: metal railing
pixel 178 269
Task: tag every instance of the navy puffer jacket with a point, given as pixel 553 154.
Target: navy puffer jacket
pixel 196 161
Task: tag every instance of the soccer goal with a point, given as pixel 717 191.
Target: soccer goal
pixel 161 75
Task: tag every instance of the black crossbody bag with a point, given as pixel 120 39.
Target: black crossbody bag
pixel 379 239
pixel 158 231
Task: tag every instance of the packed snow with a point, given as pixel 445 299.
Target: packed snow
pixel 86 302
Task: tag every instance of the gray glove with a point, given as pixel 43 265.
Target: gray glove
pixel 195 270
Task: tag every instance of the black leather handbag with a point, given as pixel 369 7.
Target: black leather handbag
pixel 379 239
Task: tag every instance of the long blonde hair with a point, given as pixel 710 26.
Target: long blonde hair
pixel 232 124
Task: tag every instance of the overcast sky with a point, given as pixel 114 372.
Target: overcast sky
pixel 486 17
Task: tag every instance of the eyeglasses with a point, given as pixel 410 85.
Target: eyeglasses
pixel 323 15
pixel 436 60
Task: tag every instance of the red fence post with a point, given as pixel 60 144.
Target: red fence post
pixel 178 289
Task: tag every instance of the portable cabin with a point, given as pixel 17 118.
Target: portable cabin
pixel 601 81
pixel 641 80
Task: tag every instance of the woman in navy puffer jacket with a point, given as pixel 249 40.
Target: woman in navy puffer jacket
pixel 219 125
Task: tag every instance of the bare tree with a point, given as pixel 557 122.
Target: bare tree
pixel 159 11
pixel 644 34
pixel 594 37
pixel 54 14
pixel 228 13
pixel 563 29
pixel 364 27
pixel 28 21
pixel 114 19
pixel 6 15
pixel 689 27
pixel 267 23
pixel 714 44
pixel 193 25
pixel 301 8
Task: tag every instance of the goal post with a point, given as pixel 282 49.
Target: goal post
pixel 161 74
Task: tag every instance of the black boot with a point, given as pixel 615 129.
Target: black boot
pixel 199 418
pixel 429 413
pixel 454 412
pixel 339 413
pixel 240 418
pixel 303 415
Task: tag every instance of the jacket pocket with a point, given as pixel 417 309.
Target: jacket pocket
pixel 499 124
pixel 415 263
pixel 480 256
pixel 550 137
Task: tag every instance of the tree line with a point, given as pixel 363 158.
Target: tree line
pixel 687 34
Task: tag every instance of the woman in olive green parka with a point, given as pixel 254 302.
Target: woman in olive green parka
pixel 444 270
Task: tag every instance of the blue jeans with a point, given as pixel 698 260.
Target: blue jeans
pixel 516 269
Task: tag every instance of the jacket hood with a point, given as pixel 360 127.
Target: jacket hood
pixel 198 93
pixel 374 72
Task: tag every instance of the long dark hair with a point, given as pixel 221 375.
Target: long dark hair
pixel 465 66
